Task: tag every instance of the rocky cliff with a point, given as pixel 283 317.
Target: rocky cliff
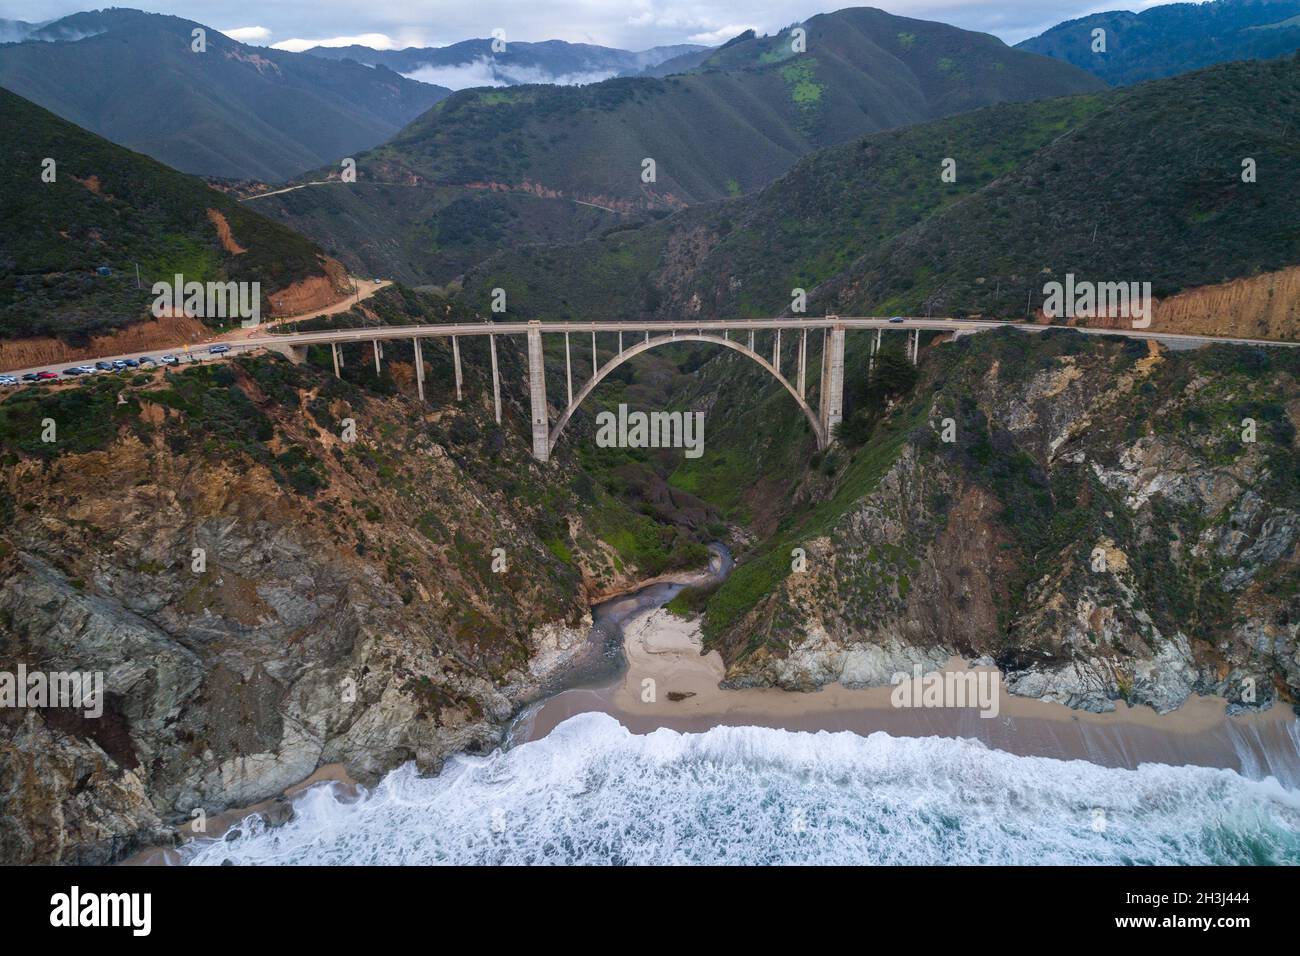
pixel 276 569
pixel 1105 521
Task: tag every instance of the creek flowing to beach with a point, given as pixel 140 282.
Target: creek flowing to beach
pixel 598 774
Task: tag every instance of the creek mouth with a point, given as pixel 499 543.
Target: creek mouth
pixel 635 639
pixel 601 665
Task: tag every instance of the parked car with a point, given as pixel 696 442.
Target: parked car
pixel 8 380
pixel 31 377
pixel 73 370
pixel 147 360
pixel 896 319
pixel 46 375
pixel 130 363
pixel 104 366
pixel 170 360
pixel 219 350
pixel 119 364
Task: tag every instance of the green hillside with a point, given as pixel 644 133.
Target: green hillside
pixel 427 235
pixel 234 110
pixel 727 129
pixel 1140 184
pixel 1173 38
pixel 1149 190
pixel 111 207
pixel 753 109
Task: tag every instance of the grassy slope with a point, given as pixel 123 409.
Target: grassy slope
pixel 57 234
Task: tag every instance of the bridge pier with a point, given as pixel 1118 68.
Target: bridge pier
pixel 776 351
pixel 832 385
pixel 375 343
pixel 568 368
pixel 803 359
pixel 537 392
pixel 496 378
pixel 455 361
pixel 915 346
pixel 334 351
pixel 419 368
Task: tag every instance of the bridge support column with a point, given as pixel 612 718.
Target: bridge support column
pixel 776 351
pixel 334 351
pixel 496 378
pixel 751 340
pixel 375 343
pixel 455 361
pixel 568 368
pixel 594 360
pixel 916 346
pixel 620 341
pixel 419 368
pixel 537 393
pixel 832 386
pixel 803 359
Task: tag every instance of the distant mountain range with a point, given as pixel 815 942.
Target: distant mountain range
pixel 1173 38
pixel 747 114
pixel 109 208
pixel 233 111
pixel 475 63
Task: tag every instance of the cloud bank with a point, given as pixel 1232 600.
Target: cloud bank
pixel 376 41
pixel 484 72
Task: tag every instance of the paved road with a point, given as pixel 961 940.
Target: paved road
pixel 246 340
pixel 365 288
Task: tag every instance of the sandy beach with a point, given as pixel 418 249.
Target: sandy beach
pixel 665 648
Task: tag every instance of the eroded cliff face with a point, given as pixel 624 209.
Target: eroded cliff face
pixel 1105 525
pixel 264 595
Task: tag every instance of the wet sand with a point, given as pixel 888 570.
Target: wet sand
pixel 218 824
pixel 666 649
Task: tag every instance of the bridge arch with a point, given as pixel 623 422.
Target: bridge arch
pixel 818 430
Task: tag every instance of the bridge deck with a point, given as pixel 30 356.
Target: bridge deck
pixel 385 332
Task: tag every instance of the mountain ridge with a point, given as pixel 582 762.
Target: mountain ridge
pixel 232 111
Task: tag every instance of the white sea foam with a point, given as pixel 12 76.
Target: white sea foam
pixel 593 793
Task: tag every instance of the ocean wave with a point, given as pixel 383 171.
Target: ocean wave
pixel 591 792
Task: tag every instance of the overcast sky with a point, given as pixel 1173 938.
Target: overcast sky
pixel 629 24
